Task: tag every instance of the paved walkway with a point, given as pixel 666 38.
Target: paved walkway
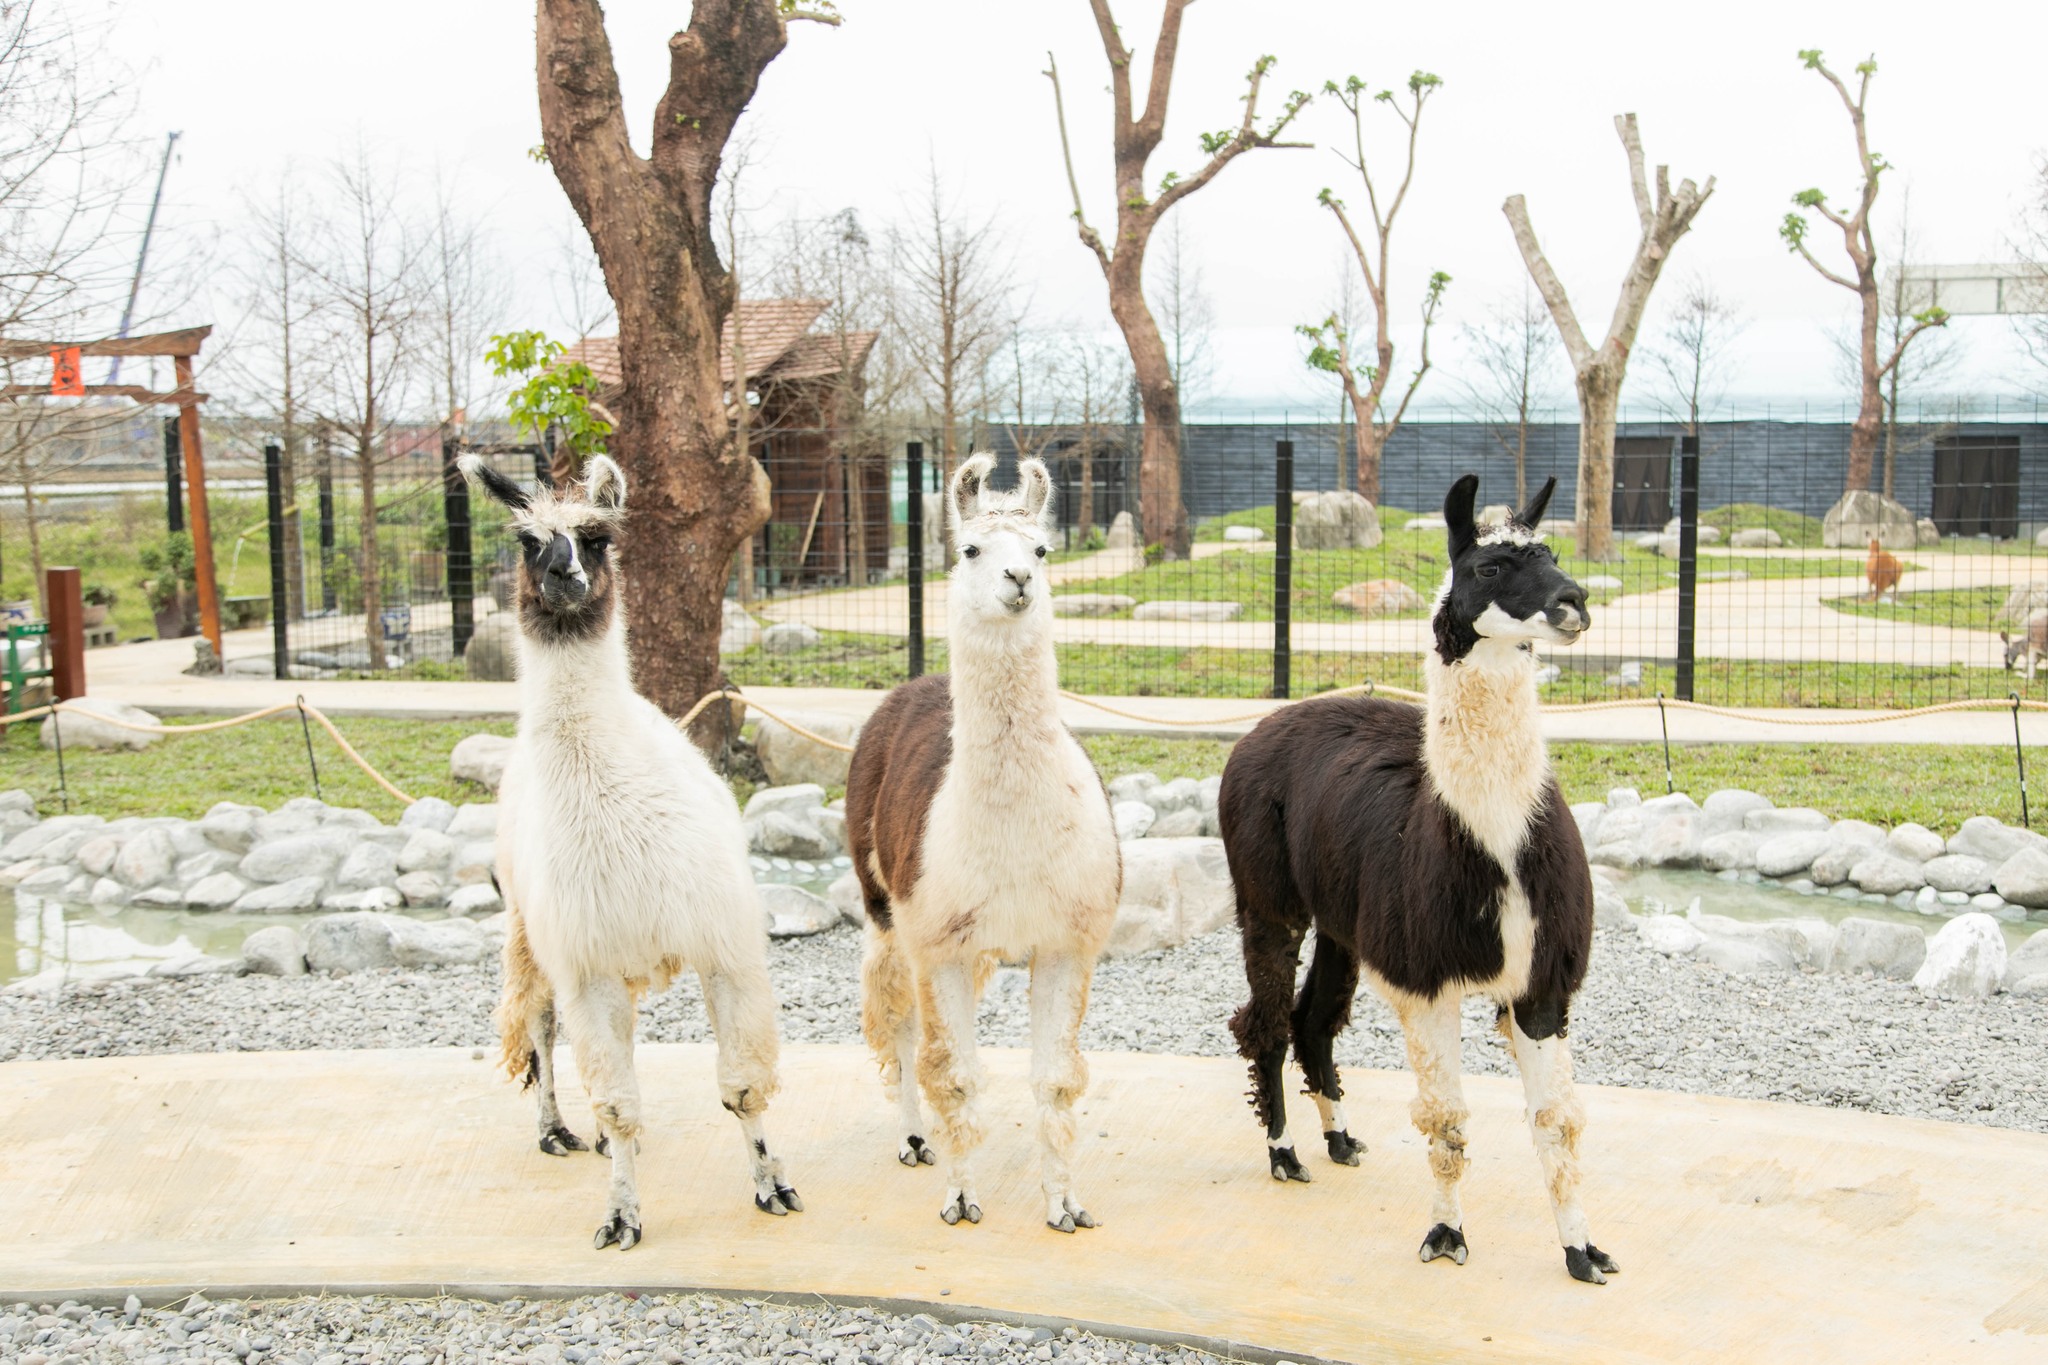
pixel 1744 1230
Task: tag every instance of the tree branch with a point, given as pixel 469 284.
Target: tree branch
pixel 1429 306
pixel 1152 125
pixel 1119 64
pixel 1639 185
pixel 1920 324
pixel 1547 284
pixel 1089 236
pixel 1247 138
pixel 1825 273
pixel 1336 206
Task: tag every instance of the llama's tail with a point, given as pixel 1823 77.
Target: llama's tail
pixel 888 998
pixel 525 997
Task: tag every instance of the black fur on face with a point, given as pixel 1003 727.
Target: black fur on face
pixel 568 573
pixel 1505 583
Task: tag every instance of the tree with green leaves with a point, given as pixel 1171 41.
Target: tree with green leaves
pixel 1331 348
pixel 553 395
pixel 1136 135
pixel 1859 242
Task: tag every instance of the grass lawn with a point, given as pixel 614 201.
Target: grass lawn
pixel 1963 608
pixel 265 764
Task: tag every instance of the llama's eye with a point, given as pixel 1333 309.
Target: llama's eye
pixel 1487 570
pixel 595 547
pixel 970 551
pixel 1041 552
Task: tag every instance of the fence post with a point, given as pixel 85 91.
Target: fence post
pixel 174 478
pixel 461 566
pixel 62 589
pixel 1688 558
pixel 1283 567
pixel 280 628
pixel 913 525
pixel 327 598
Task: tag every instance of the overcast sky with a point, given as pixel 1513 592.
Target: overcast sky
pixel 849 116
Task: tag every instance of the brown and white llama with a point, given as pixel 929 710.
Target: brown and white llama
pixel 1432 845
pixel 979 830
pixel 620 856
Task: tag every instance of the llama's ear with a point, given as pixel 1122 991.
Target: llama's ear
pixel 1458 514
pixel 494 483
pixel 968 481
pixel 1533 513
pixel 1036 482
pixel 604 484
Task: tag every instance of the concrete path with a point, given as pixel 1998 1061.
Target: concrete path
pixel 1744 1230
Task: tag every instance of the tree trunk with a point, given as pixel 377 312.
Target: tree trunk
pixel 693 497
pixel 1160 510
pixel 1086 512
pixel 1522 459
pixel 1371 443
pixel 294 539
pixel 35 542
pixel 366 541
pixel 1870 404
pixel 1599 400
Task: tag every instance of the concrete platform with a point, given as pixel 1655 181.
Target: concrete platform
pixel 1744 1230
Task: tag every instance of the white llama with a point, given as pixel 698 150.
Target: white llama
pixel 620 856
pixel 980 830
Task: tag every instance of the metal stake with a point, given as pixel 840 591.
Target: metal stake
pixel 306 727
pixel 64 786
pixel 2019 758
pixel 1664 725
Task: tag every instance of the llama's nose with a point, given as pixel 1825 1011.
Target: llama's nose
pixel 1021 577
pixel 1573 596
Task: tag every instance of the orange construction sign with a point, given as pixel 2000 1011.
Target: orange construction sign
pixel 67 380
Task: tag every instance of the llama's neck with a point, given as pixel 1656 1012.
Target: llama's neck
pixel 565 684
pixel 1483 745
pixel 1005 690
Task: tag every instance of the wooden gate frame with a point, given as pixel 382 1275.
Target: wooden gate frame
pixel 182 347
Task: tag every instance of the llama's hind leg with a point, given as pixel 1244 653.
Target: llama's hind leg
pixel 1322 1011
pixel 601 1016
pixel 1059 1076
pixel 888 1016
pixel 950 1072
pixel 555 1137
pixel 525 1019
pixel 1439 1112
pixel 1536 1032
pixel 741 1005
pixel 1272 950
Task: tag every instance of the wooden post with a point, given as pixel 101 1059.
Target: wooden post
pixel 195 491
pixel 62 591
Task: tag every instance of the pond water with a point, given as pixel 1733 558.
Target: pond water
pixel 95 941
pixel 1665 891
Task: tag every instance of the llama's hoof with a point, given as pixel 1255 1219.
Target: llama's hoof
pixel 915 1151
pixel 1587 1262
pixel 957 1208
pixel 1444 1240
pixel 769 1204
pixel 604 1145
pixel 1072 1219
pixel 559 1141
pixel 1286 1165
pixel 787 1197
pixel 620 1229
pixel 1344 1148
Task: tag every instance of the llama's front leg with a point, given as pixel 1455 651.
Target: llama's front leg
pixel 741 1004
pixel 888 1013
pixel 1536 1032
pixel 1059 1076
pixel 1272 950
pixel 1323 1009
pixel 1439 1112
pixel 601 1016
pixel 950 1072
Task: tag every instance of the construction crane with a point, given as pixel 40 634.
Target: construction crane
pixel 142 256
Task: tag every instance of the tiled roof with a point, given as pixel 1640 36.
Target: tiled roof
pixel 770 329
pixel 821 355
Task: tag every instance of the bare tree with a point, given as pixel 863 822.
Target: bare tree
pixel 1516 351
pixel 466 301
pixel 650 219
pixel 1097 380
pixel 2031 246
pixel 1375 262
pixel 368 272
pixel 576 283
pixel 1860 244
pixel 1136 135
pixel 952 307
pixel 1691 351
pixel 1598 372
pixel 1186 315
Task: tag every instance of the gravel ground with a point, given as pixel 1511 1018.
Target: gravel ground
pixel 1643 1020
pixel 608 1329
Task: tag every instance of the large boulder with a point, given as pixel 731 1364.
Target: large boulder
pixel 1336 520
pixel 1984 837
pixel 1379 597
pixel 1755 538
pixel 1123 532
pixel 481 759
pixel 2023 878
pixel 1958 872
pixel 1091 603
pixel 1187 611
pixel 793 912
pixel 300 855
pixel 1883 947
pixel 297 893
pixel 790 637
pixel 1724 810
pixel 2023 601
pixel 86 723
pixel 1887 874
pixel 275 951
pixel 738 632
pixel 352 942
pixel 790 758
pixel 493 652
pixel 1784 854
pixel 1861 514
pixel 2026 970
pixel 803 796
pixel 847 898
pixel 145 860
pixel 1965 960
pixel 1174 890
pixel 1916 842
pixel 435 943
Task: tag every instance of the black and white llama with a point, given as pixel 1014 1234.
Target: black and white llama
pixel 1433 846
pixel 620 855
